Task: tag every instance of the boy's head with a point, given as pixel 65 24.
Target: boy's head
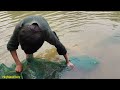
pixel 30 38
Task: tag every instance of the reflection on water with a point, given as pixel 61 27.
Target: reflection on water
pixel 95 34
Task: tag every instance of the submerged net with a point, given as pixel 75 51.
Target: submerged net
pixel 33 69
pixel 36 68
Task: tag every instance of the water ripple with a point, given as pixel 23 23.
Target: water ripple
pixel 79 31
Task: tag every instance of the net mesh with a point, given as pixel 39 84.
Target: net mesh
pixel 36 68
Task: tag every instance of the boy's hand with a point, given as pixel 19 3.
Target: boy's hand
pixel 19 68
pixel 69 64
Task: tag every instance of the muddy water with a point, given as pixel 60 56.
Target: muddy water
pixel 95 34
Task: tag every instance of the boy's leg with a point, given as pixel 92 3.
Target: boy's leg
pixel 29 56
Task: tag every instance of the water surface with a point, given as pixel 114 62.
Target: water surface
pixel 95 34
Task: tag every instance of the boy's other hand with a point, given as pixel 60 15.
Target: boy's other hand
pixel 69 64
pixel 19 68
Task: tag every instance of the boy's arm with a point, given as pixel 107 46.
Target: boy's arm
pixel 12 46
pixel 51 38
pixel 13 42
pixel 17 61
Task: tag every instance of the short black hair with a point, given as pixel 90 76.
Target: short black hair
pixel 30 38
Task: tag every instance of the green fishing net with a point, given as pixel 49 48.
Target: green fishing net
pixel 33 69
pixel 36 68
